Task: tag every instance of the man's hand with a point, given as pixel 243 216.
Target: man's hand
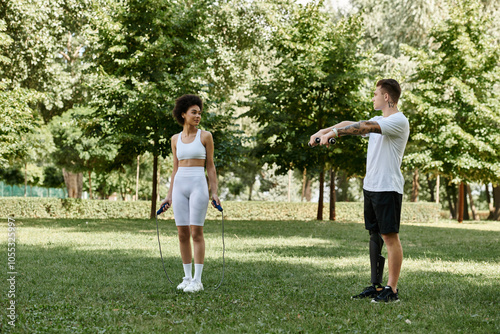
pixel 312 139
pixel 325 137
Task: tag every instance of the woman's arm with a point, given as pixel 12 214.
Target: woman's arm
pixel 168 199
pixel 211 172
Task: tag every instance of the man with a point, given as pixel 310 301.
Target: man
pixel 382 186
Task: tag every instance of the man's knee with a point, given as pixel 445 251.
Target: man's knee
pixel 391 238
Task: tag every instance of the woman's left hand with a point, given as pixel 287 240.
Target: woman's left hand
pixel 216 199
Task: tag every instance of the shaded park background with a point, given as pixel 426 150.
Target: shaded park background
pixel 87 87
pixel 86 93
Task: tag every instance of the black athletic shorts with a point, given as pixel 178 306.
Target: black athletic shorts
pixel 382 211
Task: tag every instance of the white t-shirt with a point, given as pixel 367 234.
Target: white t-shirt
pixel 385 153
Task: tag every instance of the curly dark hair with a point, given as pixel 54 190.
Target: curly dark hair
pixel 182 105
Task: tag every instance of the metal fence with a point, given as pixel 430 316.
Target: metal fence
pixel 18 191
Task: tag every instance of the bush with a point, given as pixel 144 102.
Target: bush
pixel 21 207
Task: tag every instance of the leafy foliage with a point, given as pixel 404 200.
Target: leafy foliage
pixel 47 63
pixel 315 82
pixel 75 151
pixel 389 24
pixel 53 177
pixel 11 175
pixel 248 210
pixel 456 99
pixel 17 120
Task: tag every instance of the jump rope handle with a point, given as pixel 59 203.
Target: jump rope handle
pixel 164 205
pixel 217 206
pixel 161 209
pixel 331 141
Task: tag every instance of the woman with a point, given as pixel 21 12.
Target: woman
pixel 193 149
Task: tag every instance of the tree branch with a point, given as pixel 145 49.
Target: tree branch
pixel 65 56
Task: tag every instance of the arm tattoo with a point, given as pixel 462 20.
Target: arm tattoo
pixel 360 128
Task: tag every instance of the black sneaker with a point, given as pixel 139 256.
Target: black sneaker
pixel 386 296
pixel 369 292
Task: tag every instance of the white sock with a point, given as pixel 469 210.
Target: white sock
pixel 198 270
pixel 188 272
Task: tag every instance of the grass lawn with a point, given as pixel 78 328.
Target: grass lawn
pixel 106 276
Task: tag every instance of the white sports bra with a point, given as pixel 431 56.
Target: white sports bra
pixel 193 150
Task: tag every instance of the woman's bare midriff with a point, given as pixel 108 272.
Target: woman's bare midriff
pixel 192 163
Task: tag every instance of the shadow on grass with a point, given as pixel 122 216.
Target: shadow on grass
pixel 342 239
pixel 61 273
pixel 126 290
pixel 351 239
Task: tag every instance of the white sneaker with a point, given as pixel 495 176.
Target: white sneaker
pixel 194 286
pixel 184 284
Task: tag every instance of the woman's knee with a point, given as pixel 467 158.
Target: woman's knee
pixel 197 233
pixel 184 234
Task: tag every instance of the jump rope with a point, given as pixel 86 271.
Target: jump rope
pixel 218 207
pixel 331 141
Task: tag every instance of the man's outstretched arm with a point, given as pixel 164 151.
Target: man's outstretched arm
pixel 360 128
pixel 353 129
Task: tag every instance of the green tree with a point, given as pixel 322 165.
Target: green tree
pixel 53 177
pixel 47 53
pixel 17 119
pixel 77 153
pixel 455 100
pixel 147 53
pixel 389 24
pixel 315 82
pixel 48 63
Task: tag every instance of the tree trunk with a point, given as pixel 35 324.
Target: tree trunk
pixel 432 186
pixel 415 187
pixel 461 203
pixel 74 183
pixel 342 185
pixel 491 209
pixel 250 190
pixel 451 196
pixel 25 178
pixel 320 200
pixel 308 192
pixel 137 180
pixel 304 180
pixel 289 185
pixel 158 184
pixel 472 206
pixel 333 198
pixel 123 193
pixel 155 181
pixel 437 188
pixel 466 202
pixel 90 185
pixel 496 202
